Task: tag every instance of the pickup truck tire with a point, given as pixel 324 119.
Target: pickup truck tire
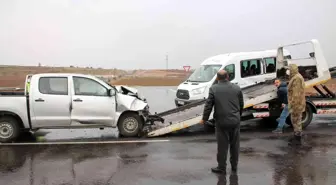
pixel 307 117
pixel 130 124
pixel 9 129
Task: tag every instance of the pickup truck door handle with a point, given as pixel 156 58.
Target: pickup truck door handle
pixel 39 100
pixel 77 100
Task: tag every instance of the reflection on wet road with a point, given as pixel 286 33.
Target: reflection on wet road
pixel 265 159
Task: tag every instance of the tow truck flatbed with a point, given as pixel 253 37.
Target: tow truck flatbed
pixel 259 94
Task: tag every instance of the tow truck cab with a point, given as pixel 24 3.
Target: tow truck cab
pixel 244 68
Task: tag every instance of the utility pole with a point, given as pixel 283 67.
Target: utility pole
pixel 167 62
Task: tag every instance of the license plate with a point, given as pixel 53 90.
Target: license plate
pixel 180 102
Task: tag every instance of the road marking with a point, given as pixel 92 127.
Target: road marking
pixel 84 142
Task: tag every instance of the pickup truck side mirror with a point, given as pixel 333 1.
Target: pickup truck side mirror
pixel 111 92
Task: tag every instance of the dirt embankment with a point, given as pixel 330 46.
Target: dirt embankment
pixel 14 76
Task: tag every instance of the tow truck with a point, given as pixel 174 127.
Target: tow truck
pixel 260 100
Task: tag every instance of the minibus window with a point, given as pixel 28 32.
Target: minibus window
pixel 270 65
pixel 250 67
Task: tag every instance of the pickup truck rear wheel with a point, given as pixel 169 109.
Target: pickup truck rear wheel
pixel 130 124
pixel 9 129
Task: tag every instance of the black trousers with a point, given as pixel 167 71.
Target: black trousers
pixel 228 137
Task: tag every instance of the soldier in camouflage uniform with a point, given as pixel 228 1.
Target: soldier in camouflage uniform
pixel 296 102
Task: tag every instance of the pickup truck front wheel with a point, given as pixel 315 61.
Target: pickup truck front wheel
pixel 9 129
pixel 130 124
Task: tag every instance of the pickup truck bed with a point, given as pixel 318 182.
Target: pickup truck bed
pixel 15 103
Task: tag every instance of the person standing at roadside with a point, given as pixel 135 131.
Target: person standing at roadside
pixel 296 102
pixel 227 100
pixel 282 98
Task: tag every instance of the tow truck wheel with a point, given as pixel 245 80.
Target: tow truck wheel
pixel 130 124
pixel 307 117
pixel 9 129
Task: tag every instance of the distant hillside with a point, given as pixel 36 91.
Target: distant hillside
pixel 14 76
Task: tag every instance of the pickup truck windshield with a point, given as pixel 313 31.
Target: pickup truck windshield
pixel 204 73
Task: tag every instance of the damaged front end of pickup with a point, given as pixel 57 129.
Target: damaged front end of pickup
pixel 170 121
pixel 128 99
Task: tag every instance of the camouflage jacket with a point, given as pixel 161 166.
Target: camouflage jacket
pixel 296 90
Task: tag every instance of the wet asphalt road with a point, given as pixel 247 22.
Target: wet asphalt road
pixel 265 159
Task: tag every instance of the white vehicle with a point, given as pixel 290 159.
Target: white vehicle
pixel 244 68
pixel 66 101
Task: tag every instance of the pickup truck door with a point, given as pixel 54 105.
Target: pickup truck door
pixel 91 103
pixel 50 101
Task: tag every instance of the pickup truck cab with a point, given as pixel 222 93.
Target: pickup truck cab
pixel 64 101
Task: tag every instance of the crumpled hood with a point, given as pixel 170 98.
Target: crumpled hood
pixel 126 102
pixel 129 99
pixel 120 89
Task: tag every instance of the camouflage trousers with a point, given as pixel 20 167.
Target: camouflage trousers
pixel 296 118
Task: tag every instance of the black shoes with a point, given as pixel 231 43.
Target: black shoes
pixel 218 170
pixel 223 171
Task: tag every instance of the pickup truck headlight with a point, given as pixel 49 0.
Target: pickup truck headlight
pixel 198 91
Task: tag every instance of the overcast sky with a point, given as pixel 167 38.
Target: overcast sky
pixel 137 34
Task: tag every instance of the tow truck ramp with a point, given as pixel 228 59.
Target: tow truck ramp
pixel 190 114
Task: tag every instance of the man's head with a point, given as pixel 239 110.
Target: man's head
pixel 222 75
pixel 292 70
pixel 277 82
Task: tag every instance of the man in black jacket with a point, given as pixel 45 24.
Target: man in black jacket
pixel 282 98
pixel 227 100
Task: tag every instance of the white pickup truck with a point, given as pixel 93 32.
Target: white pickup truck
pixel 66 101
